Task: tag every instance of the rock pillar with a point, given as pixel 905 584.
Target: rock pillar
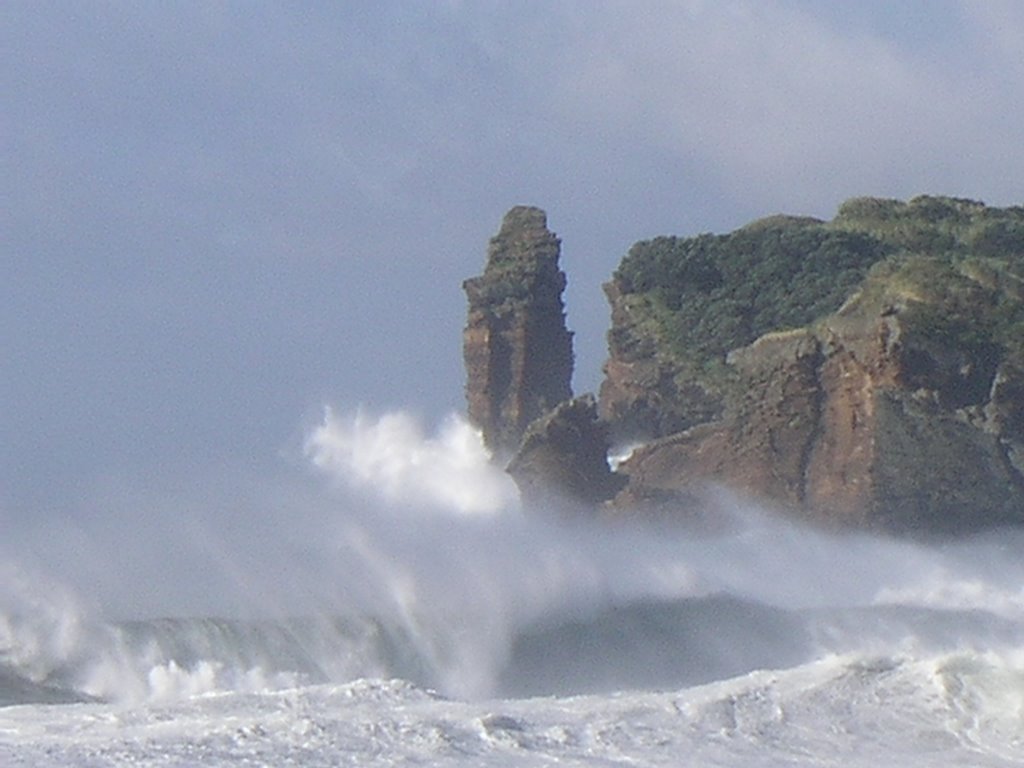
pixel 517 350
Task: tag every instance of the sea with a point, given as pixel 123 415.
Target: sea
pixel 404 609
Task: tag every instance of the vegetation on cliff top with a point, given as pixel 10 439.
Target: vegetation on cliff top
pixel 959 263
pixel 522 266
pixel 714 293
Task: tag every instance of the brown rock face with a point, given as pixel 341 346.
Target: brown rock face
pixel 517 350
pixel 863 422
pixel 866 371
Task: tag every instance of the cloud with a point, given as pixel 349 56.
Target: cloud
pixel 997 27
pixel 784 106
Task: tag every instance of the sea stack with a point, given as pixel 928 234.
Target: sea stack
pixel 517 350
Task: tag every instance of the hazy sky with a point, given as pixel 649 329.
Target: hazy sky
pixel 219 216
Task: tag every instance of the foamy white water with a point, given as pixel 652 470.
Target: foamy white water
pixel 424 617
pixel 947 711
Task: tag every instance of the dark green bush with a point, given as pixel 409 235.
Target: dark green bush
pixel 712 293
pixel 718 292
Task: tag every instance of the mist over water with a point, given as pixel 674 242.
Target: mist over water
pixel 407 554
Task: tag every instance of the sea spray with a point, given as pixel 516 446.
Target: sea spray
pixel 52 647
pixel 453 586
pixel 476 592
pixel 467 570
pixel 392 456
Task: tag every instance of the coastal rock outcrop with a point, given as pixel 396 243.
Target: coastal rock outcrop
pixel 866 372
pixel 517 350
pixel 564 457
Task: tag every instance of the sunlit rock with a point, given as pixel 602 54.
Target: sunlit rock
pixel 894 404
pixel 517 350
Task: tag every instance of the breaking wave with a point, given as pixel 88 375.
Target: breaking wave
pixel 431 572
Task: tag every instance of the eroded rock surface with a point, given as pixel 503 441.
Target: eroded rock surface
pixel 902 411
pixel 517 350
pixel 837 428
pixel 866 372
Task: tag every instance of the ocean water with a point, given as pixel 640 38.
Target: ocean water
pixel 405 610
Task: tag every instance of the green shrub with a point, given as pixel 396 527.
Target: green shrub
pixel 717 292
pixel 708 294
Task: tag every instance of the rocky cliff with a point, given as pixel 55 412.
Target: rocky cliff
pixel 867 371
pixel 517 350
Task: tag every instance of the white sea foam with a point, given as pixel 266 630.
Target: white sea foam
pixel 952 710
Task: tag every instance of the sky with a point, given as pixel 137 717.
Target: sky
pixel 219 217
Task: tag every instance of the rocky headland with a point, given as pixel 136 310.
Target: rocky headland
pixel 863 372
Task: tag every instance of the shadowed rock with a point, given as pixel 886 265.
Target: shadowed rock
pixel 564 455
